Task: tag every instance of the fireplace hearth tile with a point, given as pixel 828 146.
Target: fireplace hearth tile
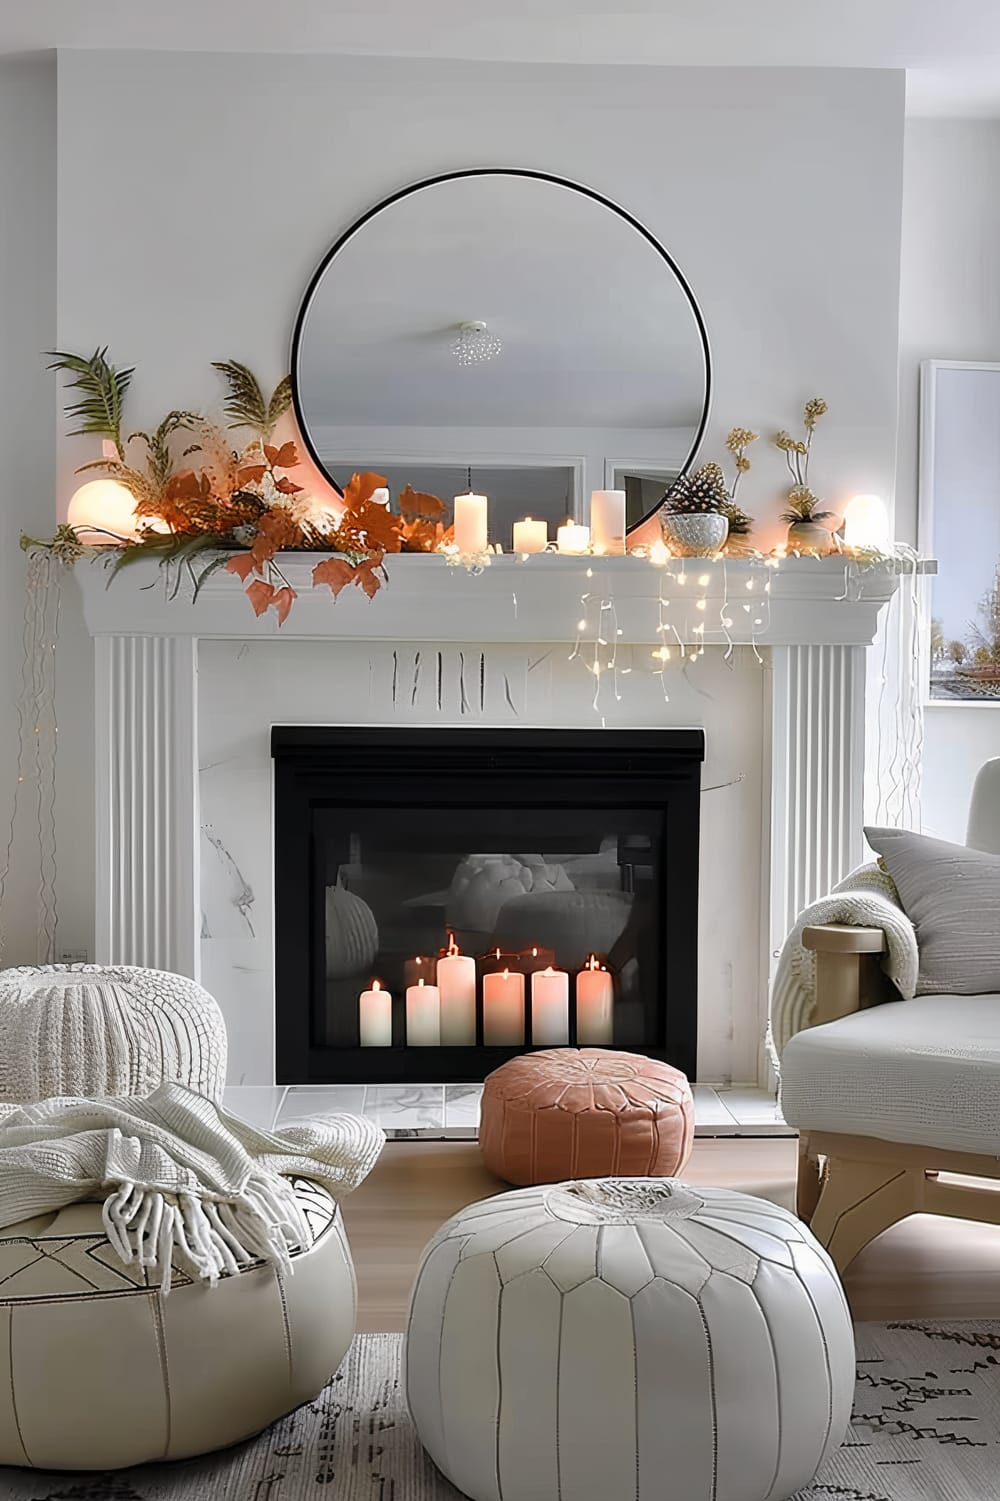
pixel 461 1107
pixel 406 1107
pixel 303 1100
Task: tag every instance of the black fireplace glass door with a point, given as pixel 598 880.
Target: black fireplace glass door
pixel 568 890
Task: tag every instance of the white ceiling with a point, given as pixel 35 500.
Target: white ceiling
pixel 950 48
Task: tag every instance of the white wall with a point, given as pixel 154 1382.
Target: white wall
pixel 949 309
pixel 778 192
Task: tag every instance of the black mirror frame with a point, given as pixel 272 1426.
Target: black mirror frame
pixel 427 182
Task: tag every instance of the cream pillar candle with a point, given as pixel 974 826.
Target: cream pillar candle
pixel 375 1017
pixel 531 536
pixel 456 982
pixel 423 1016
pixel 550 1007
pixel 503 1009
pixel 607 520
pixel 572 538
pixel 471 523
pixel 595 994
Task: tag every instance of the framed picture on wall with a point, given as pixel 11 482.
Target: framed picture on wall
pixel 960 526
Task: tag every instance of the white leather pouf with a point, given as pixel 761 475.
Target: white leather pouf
pixel 628 1337
pixel 99 1372
pixel 91 1030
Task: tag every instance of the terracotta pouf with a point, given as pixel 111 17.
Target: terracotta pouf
pixel 585 1113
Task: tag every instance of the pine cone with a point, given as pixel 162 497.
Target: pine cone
pixel 698 494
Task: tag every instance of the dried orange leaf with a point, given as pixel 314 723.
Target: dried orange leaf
pixel 360 489
pixel 242 565
pixel 334 571
pixel 260 594
pixel 281 603
pixel 416 503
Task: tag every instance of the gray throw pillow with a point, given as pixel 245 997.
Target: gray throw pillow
pixel 951 894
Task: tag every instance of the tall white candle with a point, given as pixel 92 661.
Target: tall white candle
pixel 423 1016
pixel 503 1009
pixel 375 1017
pixel 456 982
pixel 573 538
pixel 550 1007
pixel 531 536
pixel 471 523
pixel 607 520
pixel 595 994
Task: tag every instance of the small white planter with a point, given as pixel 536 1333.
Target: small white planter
pixel 694 536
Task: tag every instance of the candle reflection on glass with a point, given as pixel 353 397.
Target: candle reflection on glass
pixel 503 1009
pixel 595 993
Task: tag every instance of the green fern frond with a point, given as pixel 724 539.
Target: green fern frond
pixel 246 405
pixel 102 394
pixel 161 461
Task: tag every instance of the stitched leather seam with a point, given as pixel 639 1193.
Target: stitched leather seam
pixel 279 1282
pixel 159 1334
pixel 777 1387
pixel 13 1395
pixel 496 1351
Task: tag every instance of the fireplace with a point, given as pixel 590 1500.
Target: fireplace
pixel 448 898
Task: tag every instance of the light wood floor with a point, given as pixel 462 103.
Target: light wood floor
pixel 923 1268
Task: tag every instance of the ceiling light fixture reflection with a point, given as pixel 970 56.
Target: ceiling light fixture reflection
pixel 474 344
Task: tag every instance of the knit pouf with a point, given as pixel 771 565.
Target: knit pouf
pixel 100 1372
pixel 632 1338
pixel 82 1029
pixel 584 1112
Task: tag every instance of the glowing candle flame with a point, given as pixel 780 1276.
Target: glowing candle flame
pixel 453 947
pixel 375 985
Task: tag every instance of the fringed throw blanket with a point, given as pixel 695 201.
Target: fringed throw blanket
pixel 178 1174
pixel 866 898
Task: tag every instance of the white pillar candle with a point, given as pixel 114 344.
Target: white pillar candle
pixel 423 1016
pixel 471 523
pixel 550 1007
pixel 456 983
pixel 422 967
pixel 573 538
pixel 531 536
pixel 607 520
pixel 375 1017
pixel 595 994
pixel 503 1009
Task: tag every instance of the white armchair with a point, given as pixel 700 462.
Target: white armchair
pixel 890 1094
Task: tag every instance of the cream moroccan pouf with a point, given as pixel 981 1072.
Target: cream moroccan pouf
pixel 628 1337
pixel 100 1372
pixel 89 1030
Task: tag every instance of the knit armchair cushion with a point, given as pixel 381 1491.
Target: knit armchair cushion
pixel 88 1030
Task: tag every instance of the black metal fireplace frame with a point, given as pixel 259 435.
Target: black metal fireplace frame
pixel 318 767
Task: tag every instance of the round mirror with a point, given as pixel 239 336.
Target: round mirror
pixel 508 332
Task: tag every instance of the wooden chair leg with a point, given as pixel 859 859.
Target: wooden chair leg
pixel 857 1201
pixel 808 1181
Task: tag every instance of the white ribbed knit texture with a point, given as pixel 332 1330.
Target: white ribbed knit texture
pixel 84 1029
pixel 866 898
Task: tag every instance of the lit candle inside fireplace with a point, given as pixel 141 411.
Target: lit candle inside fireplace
pixel 503 1009
pixel 595 993
pixel 375 1017
pixel 471 523
pixel 423 1016
pixel 456 982
pixel 422 967
pixel 550 1007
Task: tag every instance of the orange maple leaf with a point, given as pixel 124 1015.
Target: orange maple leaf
pixel 366 576
pixel 275 530
pixel 336 572
pixel 414 503
pixel 421 535
pixel 250 474
pixel 286 487
pixel 242 565
pixel 260 594
pixel 187 485
pixel 285 457
pixel 382 530
pixel 281 602
pixel 360 487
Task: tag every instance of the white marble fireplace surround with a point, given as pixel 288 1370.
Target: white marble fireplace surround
pixel 187 694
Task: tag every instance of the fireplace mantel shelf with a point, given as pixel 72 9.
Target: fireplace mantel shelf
pixel 812 601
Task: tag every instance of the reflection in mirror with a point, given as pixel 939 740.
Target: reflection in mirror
pixel 511 323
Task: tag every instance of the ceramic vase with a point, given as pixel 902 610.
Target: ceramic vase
pixel 810 536
pixel 696 535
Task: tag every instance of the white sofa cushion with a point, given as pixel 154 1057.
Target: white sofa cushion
pixel 925 1071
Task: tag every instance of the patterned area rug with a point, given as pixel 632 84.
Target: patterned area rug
pixel 926 1428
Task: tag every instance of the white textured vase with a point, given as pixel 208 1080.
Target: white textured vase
pixel 84 1029
pixel 628 1337
pixel 696 536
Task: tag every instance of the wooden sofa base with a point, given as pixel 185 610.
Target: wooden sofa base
pixel 851 1188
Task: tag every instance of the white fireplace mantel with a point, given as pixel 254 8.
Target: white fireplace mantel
pixel 162 661
pixel 805 601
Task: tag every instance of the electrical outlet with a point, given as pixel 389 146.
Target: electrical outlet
pixel 74 956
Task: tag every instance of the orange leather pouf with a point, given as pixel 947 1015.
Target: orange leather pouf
pixel 585 1113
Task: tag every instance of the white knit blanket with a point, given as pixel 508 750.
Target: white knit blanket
pixel 178 1175
pixel 867 898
